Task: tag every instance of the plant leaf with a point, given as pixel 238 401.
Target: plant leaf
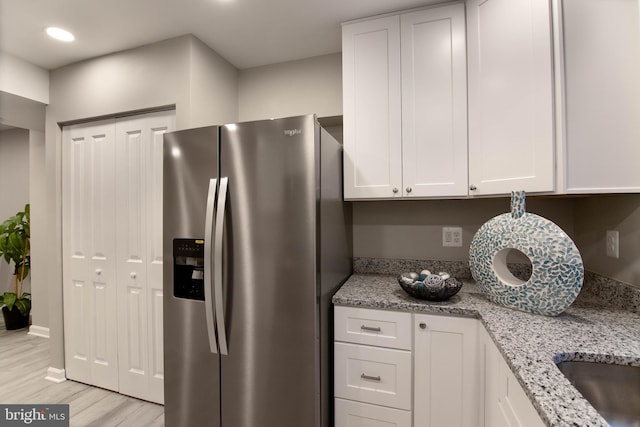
pixel 22 273
pixel 24 305
pixel 9 300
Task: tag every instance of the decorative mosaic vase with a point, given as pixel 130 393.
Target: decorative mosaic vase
pixel 557 271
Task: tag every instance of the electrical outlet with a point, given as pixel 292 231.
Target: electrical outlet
pixel 613 243
pixel 452 236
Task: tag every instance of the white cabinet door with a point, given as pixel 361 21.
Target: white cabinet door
pixel 505 403
pixel 602 95
pixel 356 414
pixel 89 251
pixel 446 372
pixel 434 102
pixel 511 129
pixel 139 253
pixel 371 108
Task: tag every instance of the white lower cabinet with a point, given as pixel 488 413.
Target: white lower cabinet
pixel 446 372
pixel 381 376
pixel 506 404
pixel 372 368
pixel 357 414
pixel 400 369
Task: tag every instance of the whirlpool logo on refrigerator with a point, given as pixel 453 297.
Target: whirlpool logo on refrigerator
pixel 292 132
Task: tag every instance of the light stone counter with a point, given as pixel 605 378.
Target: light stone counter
pixel 531 344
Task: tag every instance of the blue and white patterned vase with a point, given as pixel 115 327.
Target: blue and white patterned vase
pixel 557 271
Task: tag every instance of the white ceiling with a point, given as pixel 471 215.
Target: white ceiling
pixel 248 33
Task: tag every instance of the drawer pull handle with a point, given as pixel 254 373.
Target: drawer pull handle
pixel 369 377
pixel 370 328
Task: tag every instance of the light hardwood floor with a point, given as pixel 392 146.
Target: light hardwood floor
pixel 24 360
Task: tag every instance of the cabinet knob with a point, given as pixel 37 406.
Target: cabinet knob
pixel 472 187
pixel 98 271
pixel 408 189
pixel 423 325
pixel 133 275
pixel 395 190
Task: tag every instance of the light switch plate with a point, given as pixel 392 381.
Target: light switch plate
pixel 613 244
pixel 452 236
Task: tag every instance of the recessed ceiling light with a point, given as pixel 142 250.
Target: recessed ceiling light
pixel 60 34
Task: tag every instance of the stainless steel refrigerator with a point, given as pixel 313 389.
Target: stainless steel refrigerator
pixel 256 241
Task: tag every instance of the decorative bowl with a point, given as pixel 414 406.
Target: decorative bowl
pixel 427 286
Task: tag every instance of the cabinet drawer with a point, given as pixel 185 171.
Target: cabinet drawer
pixel 374 375
pixel 373 327
pixel 356 414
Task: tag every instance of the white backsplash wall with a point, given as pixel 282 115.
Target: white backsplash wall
pixel 413 229
pixel 593 217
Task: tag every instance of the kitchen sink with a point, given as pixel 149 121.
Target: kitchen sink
pixel 614 390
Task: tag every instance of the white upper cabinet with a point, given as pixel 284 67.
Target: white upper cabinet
pixel 511 128
pixel 371 98
pixel 434 103
pixel 602 95
pixel 404 94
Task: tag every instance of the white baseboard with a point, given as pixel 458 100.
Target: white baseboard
pixel 55 375
pixel 39 331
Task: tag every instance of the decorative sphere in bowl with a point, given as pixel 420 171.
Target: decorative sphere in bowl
pixel 427 286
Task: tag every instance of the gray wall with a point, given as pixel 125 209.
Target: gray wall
pixel 14 181
pixel 307 86
pixel 21 112
pixel 147 77
pixel 37 198
pixel 413 229
pixel 30 114
pixel 597 214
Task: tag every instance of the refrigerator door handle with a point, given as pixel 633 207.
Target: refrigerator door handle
pixel 217 280
pixel 208 265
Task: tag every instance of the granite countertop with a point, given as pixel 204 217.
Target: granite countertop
pixel 531 344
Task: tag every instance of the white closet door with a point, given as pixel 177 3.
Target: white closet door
pixel 89 254
pixel 139 253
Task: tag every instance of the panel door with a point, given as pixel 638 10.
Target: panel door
pixel 506 403
pixel 372 109
pixel 349 413
pixel 446 365
pixel 602 64
pixel 89 273
pixel 511 129
pixel 138 232
pixel 434 102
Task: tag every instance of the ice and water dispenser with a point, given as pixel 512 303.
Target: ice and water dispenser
pixel 188 268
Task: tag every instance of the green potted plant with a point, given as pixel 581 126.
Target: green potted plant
pixel 14 248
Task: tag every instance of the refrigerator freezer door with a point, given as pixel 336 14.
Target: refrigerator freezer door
pixel 270 375
pixel 192 372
